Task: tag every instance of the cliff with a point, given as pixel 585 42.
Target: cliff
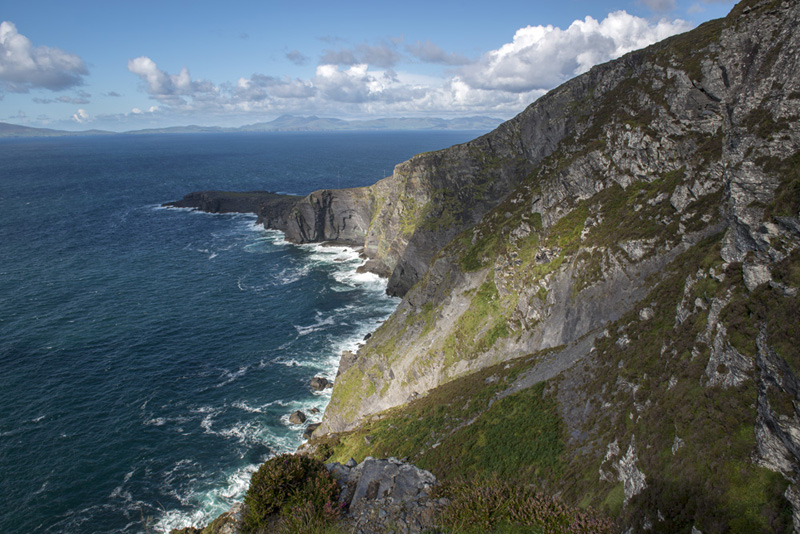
pixel 627 248
pixel 600 296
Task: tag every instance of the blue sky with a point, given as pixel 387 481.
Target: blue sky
pixel 128 65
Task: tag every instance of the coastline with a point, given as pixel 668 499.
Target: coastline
pixel 350 274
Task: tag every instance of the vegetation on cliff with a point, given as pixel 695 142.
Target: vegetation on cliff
pixel 601 297
pixel 620 328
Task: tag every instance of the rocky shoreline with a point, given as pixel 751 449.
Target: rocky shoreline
pixel 375 495
pixel 617 263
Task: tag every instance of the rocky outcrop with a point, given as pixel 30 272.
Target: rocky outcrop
pixel 235 202
pixel 383 495
pixel 319 383
pixel 629 245
pixel 339 216
pixel 577 204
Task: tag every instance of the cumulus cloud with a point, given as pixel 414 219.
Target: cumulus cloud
pixel 431 53
pixel 80 116
pixel 24 67
pixel 366 79
pixel 541 57
pixel 168 87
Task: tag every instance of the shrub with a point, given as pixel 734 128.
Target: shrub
pixel 291 492
pixel 495 505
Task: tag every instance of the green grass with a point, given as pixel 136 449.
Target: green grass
pixel 518 436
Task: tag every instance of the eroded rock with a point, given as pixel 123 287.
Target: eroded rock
pixel 381 495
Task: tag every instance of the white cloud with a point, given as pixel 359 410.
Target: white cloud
pixel 541 57
pixel 259 87
pixel 501 83
pixel 80 116
pixel 24 67
pixel 168 87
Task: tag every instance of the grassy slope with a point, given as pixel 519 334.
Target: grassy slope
pixel 647 379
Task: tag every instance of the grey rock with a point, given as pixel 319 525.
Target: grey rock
pixel 677 444
pixel 347 359
pixel 632 478
pixel 318 383
pixel 681 198
pixel 297 417
pixel 310 430
pixel 755 275
pixel 777 435
pixel 726 366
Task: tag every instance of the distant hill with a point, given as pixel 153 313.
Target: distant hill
pixel 15 130
pixel 294 123
pixel 284 123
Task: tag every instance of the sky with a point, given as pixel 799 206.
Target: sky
pixel 123 65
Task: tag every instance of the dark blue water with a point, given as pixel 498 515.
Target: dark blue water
pixel 149 358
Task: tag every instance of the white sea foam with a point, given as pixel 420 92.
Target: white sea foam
pixel 209 503
pixel 320 324
pixel 231 376
pixel 246 407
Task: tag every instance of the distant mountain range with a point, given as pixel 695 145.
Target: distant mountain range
pixel 284 123
pixel 15 130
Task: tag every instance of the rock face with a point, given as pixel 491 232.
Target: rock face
pixel 310 430
pixel 234 202
pixel 381 495
pixel 611 177
pixel 633 238
pixel 636 233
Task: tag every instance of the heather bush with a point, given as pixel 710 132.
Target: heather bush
pixel 291 493
pixel 491 505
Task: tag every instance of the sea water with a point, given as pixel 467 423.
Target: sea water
pixel 150 357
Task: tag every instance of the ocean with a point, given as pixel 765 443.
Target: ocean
pixel 150 357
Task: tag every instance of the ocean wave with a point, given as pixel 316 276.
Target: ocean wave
pixel 319 324
pixel 161 421
pixel 267 424
pixel 209 503
pixel 232 376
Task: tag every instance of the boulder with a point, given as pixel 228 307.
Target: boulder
pixel 318 383
pixel 297 418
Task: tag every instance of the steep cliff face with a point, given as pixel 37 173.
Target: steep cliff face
pixel 340 216
pixel 633 237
